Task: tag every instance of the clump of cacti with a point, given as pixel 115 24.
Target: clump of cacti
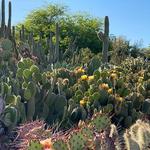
pixel 55 87
pixel 100 135
pixel 87 135
pixel 5 31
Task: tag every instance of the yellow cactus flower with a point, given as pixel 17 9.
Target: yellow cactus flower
pixel 84 77
pixel 113 76
pixel 82 102
pixel 104 86
pixel 91 78
pixel 110 91
pixel 120 99
pixel 47 144
pixel 140 79
pixel 80 70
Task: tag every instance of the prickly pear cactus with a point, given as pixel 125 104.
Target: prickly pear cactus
pixel 35 145
pixel 100 121
pixel 60 144
pixel 146 107
pixel 10 116
pixel 77 141
pixel 87 132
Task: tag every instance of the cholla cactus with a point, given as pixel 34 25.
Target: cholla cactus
pixel 138 136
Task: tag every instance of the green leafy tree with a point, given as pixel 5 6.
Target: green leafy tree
pixel 81 27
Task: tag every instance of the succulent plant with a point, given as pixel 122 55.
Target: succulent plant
pixel 104 37
pixel 138 136
pixel 35 145
pixel 60 144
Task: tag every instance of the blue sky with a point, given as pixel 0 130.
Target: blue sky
pixel 129 18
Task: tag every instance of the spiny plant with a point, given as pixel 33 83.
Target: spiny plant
pixel 5 31
pixel 138 136
pixel 104 37
pixel 76 138
pixel 30 132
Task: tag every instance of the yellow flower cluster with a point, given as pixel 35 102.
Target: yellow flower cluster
pixel 90 78
pixel 119 98
pixel 79 70
pixel 110 91
pixel 83 101
pixel 104 86
pixel 84 77
pixel 113 76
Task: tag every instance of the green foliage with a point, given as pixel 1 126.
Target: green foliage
pixel 79 26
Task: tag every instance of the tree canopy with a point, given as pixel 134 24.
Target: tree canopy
pixel 81 26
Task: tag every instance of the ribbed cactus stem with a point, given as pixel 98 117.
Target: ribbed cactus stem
pixel 5 35
pixel 9 19
pixel 104 37
pixel 20 35
pixel 106 27
pixel 13 32
pixel 50 46
pixel 57 42
pixel 30 38
pixel 23 33
pixel 3 18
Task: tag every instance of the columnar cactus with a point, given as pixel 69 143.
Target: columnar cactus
pixel 23 33
pixel 57 43
pixel 104 37
pixel 5 31
pixel 9 19
pixel 3 18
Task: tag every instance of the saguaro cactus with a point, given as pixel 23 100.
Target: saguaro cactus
pixel 3 18
pixel 9 19
pixel 5 31
pixel 104 37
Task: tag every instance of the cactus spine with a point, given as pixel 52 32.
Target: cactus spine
pixel 104 37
